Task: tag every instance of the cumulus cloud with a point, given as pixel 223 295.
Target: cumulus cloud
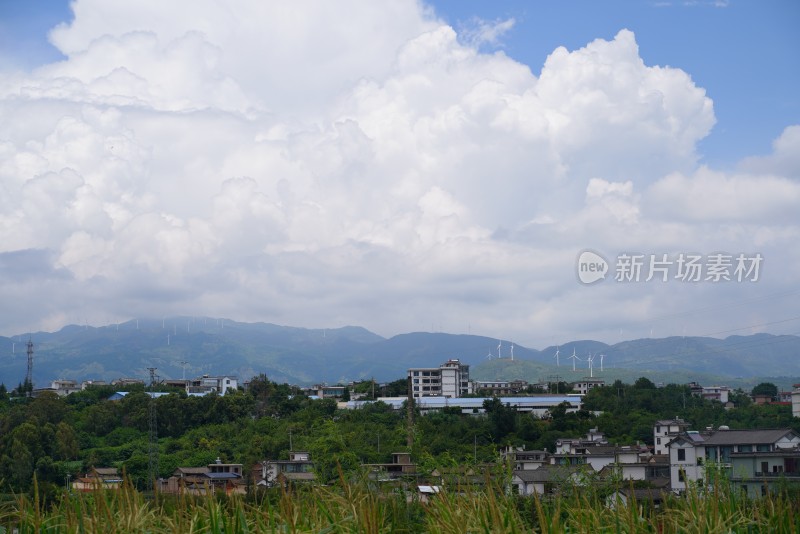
pixel 353 164
pixel 785 157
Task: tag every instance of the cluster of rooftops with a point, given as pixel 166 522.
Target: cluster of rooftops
pixel 754 460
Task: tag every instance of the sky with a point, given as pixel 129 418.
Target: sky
pixel 537 172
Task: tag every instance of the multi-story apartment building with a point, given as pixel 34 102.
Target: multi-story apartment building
pixel 451 379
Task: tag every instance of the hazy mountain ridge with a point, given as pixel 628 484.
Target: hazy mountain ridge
pixel 299 355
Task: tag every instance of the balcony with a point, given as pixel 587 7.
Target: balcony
pixel 772 474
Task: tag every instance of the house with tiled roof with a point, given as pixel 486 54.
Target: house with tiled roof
pixel 98 478
pixel 217 476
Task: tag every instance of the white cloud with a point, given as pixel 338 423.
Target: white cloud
pixel 715 196
pixel 357 163
pixel 785 157
pixel 479 32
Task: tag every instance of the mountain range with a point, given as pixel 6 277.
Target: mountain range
pixel 190 346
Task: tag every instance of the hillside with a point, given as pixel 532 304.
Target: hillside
pixel 304 356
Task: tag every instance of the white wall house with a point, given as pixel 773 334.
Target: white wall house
pixel 208 384
pixel 690 453
pixel 584 386
pixel 664 430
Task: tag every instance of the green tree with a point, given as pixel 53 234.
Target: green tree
pixel 502 418
pixel 765 388
pixel 644 383
pixel 66 446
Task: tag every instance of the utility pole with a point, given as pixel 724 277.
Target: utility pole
pixel 410 416
pixel 29 373
pixel 557 379
pixel 152 459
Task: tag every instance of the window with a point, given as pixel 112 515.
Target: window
pixel 658 441
pixel 681 475
pixel 681 455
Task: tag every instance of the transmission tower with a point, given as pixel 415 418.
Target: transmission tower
pixel 29 373
pixel 152 460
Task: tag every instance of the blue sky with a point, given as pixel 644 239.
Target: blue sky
pixel 398 165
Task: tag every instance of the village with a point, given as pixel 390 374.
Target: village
pixel 677 457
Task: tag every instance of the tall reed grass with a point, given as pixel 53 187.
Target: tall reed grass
pixel 363 507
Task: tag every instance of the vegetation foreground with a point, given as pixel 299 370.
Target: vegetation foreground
pixel 360 507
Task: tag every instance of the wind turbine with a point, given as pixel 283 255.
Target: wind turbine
pixel 574 357
pixel 601 362
pixel 512 352
pixel 558 364
pixel 590 359
pixel 499 348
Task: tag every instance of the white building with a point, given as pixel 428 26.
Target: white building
pixel 212 384
pixel 716 393
pixel 796 401
pixel 664 431
pixel 690 452
pixel 451 379
pixel 584 386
